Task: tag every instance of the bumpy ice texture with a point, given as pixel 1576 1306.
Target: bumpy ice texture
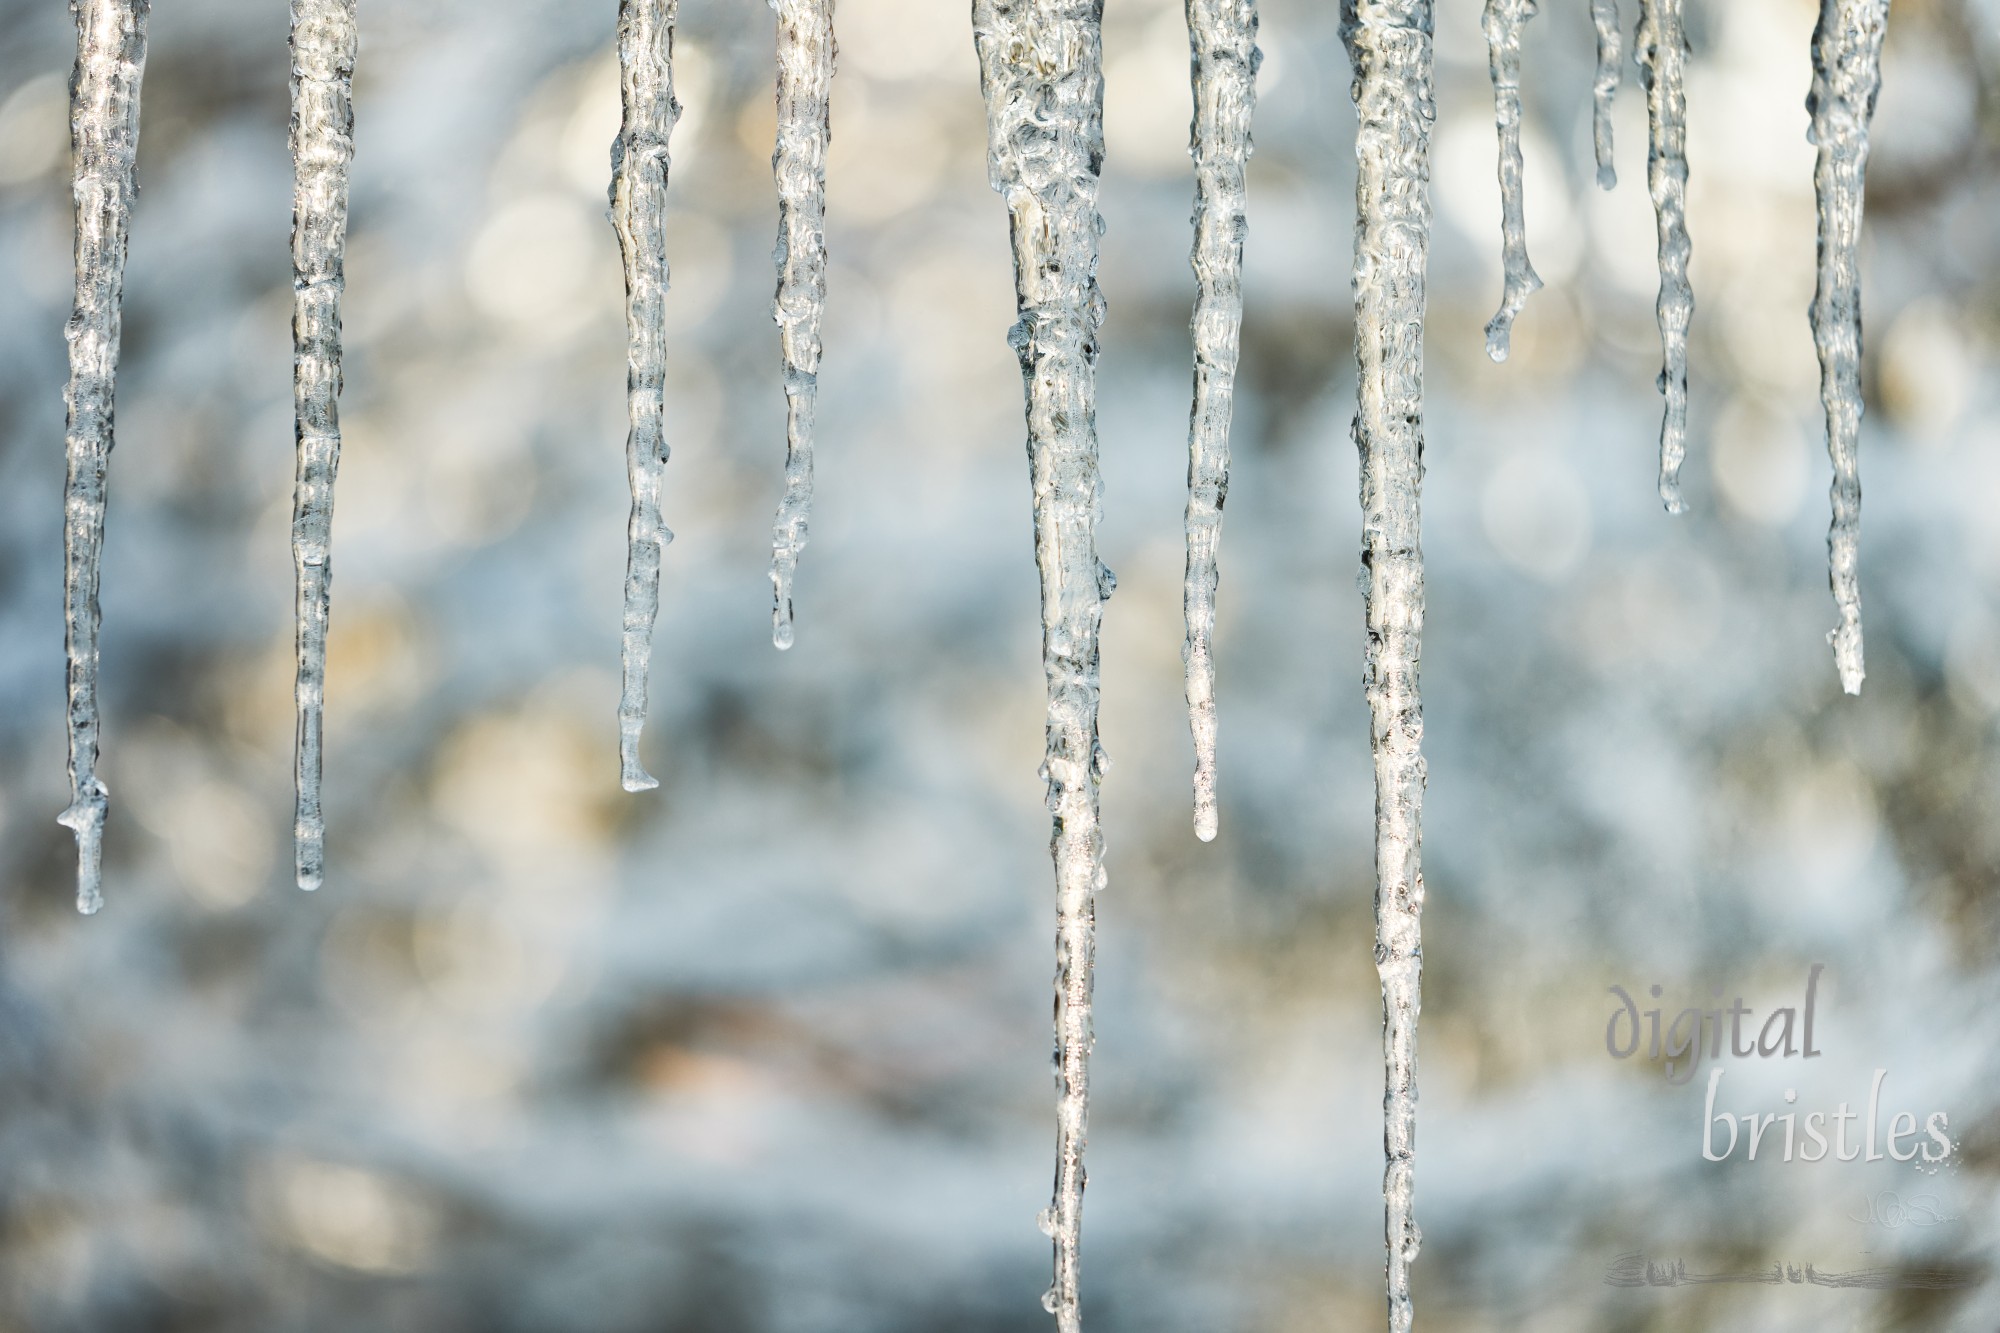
pixel 104 138
pixel 1502 22
pixel 1603 92
pixel 639 165
pixel 1662 54
pixel 323 45
pixel 1389 43
pixel 1222 36
pixel 1847 74
pixel 1041 69
pixel 805 82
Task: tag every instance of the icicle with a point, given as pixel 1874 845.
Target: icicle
pixel 323 43
pixel 805 80
pixel 1040 67
pixel 1662 53
pixel 1389 43
pixel 1222 35
pixel 1604 14
pixel 1847 73
pixel 104 139
pixel 1503 21
pixel 639 165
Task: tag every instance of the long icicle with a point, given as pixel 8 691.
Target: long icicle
pixel 1662 54
pixel 1847 75
pixel 1389 43
pixel 1041 70
pixel 104 141
pixel 639 164
pixel 1604 91
pixel 323 46
pixel 805 83
pixel 1222 36
pixel 1502 22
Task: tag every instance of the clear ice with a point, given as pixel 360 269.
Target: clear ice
pixel 104 140
pixel 1847 74
pixel 1041 70
pixel 1604 91
pixel 805 82
pixel 639 165
pixel 1662 53
pixel 323 45
pixel 1389 43
pixel 1222 37
pixel 1502 22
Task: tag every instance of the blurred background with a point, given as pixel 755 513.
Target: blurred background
pixel 767 1050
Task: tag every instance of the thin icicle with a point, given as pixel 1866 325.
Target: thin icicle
pixel 1389 43
pixel 1041 69
pixel 1222 36
pixel 805 82
pixel 323 44
pixel 1662 54
pixel 104 139
pixel 639 165
pixel 1503 21
pixel 1610 51
pixel 1847 74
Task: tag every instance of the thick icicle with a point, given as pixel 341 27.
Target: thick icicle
pixel 1389 43
pixel 104 139
pixel 1610 51
pixel 1662 54
pixel 1222 35
pixel 323 44
pixel 1847 74
pixel 1041 69
pixel 1503 21
pixel 805 82
pixel 639 165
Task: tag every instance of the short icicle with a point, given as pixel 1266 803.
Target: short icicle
pixel 1662 54
pixel 1503 21
pixel 1604 91
pixel 104 141
pixel 1041 70
pixel 1389 43
pixel 323 46
pixel 639 165
pixel 805 83
pixel 1847 74
pixel 1222 35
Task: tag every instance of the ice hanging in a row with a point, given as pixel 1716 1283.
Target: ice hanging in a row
pixel 1846 77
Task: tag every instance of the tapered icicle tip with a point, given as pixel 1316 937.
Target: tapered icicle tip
pixel 782 634
pixel 1206 825
pixel 86 820
pixel 1846 641
pixel 634 777
pixel 309 856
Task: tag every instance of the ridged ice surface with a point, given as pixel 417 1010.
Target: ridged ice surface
pixel 1662 53
pixel 1502 22
pixel 1604 90
pixel 638 210
pixel 1847 74
pixel 1389 42
pixel 1222 37
pixel 323 44
pixel 1041 69
pixel 805 82
pixel 104 137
